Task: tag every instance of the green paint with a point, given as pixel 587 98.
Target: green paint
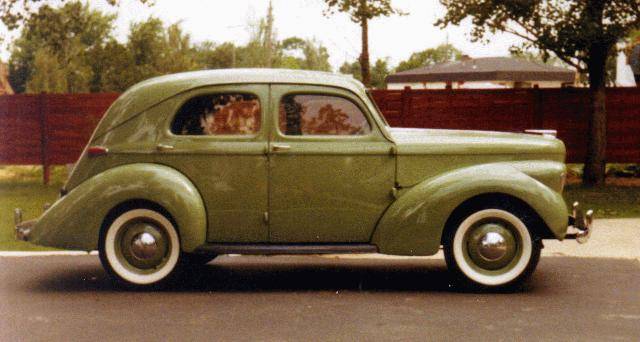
pixel 393 187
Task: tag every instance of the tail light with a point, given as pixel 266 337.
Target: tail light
pixel 95 151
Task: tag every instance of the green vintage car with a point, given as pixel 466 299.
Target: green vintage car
pixel 186 167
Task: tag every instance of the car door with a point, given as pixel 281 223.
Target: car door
pixel 217 136
pixel 331 169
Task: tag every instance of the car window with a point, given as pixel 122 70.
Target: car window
pixel 218 114
pixel 321 115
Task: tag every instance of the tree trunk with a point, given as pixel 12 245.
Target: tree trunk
pixel 364 56
pixel 594 166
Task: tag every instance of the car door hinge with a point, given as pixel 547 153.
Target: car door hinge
pixel 265 217
pixel 393 151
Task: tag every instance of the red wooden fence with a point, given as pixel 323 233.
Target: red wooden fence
pixel 53 129
pixel 49 129
pixel 564 110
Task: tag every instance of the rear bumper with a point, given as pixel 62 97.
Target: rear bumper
pixel 23 228
pixel 581 223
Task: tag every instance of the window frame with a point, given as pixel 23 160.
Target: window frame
pixel 355 102
pixel 216 90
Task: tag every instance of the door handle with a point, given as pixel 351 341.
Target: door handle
pixel 280 147
pixel 164 147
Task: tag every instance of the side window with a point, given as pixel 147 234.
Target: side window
pixel 218 114
pixel 321 115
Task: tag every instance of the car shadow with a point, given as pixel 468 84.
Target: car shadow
pixel 279 273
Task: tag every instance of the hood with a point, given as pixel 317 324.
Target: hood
pixel 426 153
pixel 463 142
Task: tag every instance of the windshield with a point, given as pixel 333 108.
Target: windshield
pixel 384 120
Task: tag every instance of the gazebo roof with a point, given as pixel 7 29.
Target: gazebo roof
pixel 485 69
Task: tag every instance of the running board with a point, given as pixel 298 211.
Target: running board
pixel 271 249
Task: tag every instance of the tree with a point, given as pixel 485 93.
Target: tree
pixel 71 34
pixel 379 72
pixel 441 54
pixel 582 33
pixel 352 69
pixel 632 40
pixel 113 68
pixel 262 49
pixel 314 56
pixel 211 56
pixel 360 12
pixel 158 50
pixel 13 13
pixel 48 75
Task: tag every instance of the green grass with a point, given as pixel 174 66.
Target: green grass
pixel 21 187
pixel 606 201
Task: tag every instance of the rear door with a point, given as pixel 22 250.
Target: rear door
pixel 217 136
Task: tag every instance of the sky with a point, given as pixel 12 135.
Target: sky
pixel 395 37
pixel 227 20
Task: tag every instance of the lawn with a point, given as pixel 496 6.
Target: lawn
pixel 606 201
pixel 22 187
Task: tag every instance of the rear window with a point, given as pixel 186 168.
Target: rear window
pixel 218 114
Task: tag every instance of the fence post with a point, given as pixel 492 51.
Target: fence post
pixel 42 111
pixel 406 105
pixel 538 112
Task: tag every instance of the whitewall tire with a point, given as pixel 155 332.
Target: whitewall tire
pixel 140 248
pixel 492 248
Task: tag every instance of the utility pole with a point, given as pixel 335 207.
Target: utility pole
pixel 269 36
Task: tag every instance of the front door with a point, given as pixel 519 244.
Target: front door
pixel 331 170
pixel 217 137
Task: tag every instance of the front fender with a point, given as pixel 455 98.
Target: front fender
pixel 413 224
pixel 74 221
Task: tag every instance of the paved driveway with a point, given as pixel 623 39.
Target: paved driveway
pixel 330 298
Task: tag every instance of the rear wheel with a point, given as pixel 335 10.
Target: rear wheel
pixel 492 247
pixel 140 248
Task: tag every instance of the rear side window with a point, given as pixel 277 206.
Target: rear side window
pixel 218 114
pixel 321 115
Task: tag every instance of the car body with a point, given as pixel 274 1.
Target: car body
pixel 258 161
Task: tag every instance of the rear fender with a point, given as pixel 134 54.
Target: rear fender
pixel 75 220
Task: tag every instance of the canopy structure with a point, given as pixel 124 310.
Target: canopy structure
pixel 496 70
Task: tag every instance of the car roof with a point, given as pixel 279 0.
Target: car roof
pixel 146 94
pixel 253 75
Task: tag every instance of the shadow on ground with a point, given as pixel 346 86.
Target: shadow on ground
pixel 312 273
pixel 274 274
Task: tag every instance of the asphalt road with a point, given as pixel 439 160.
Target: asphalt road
pixel 313 298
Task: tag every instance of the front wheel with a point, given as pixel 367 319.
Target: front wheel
pixel 140 248
pixel 492 248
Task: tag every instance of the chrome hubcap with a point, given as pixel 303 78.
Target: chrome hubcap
pixel 492 246
pixel 144 246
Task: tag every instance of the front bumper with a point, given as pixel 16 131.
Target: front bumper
pixel 581 223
